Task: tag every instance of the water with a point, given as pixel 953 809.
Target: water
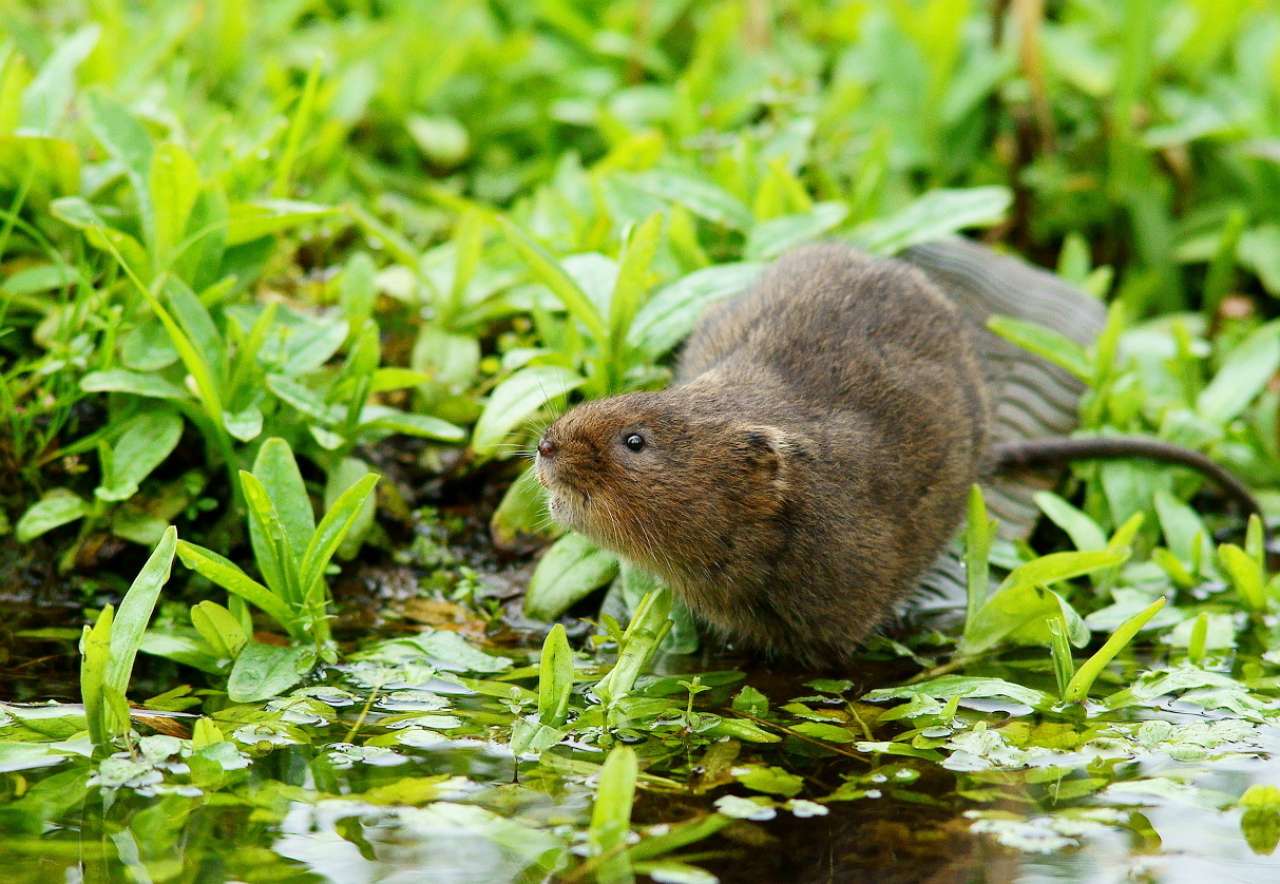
pixel 392 769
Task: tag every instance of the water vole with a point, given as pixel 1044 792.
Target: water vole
pixel 811 460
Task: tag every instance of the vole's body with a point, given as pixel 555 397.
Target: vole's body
pixel 810 463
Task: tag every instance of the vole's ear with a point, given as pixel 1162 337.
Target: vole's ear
pixel 767 450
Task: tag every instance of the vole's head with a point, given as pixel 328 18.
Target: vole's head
pixel 660 480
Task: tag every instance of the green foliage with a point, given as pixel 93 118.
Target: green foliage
pixel 611 815
pixel 292 553
pixel 109 647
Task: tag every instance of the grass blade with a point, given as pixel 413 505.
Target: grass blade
pixel 1199 638
pixel 553 276
pixel 555 677
pixel 329 533
pixel 629 289
pixel 271 547
pixel 95 655
pixel 135 612
pixel 649 625
pixel 1245 575
pixel 516 399
pixel 277 469
pixel 225 574
pixel 977 547
pixel 1078 689
pixel 611 815
pixel 1046 343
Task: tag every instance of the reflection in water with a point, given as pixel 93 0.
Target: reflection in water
pixel 426 787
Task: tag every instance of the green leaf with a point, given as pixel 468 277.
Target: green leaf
pixel 1078 689
pixel 1259 250
pixel 145 443
pixel 127 142
pixel 529 735
pixel 568 571
pixel 555 677
pixel 348 471
pixel 611 815
pixel 632 282
pixel 1260 821
pixel 200 369
pixel 127 251
pixel 1050 345
pixel 265 671
pixel 740 729
pixel 95 655
pixel 276 559
pixel 219 628
pixel 244 425
pixel 385 420
pixel 932 216
pixel 946 687
pixel 295 345
pixel 1199 639
pixel 1022 614
pixel 174 183
pixel 1184 532
pixel 1057 567
pixel 1244 374
pixel 1245 574
pixel 634 584
pixel 1020 608
pixel 669 316
pixel 829 733
pixel 446 651
pixel 522 511
pixel 328 535
pixel 468 243
pixel 250 221
pixel 771 780
pixel 979 532
pixel 40 278
pixel 649 625
pixel 277 469
pixel 52 165
pixel 301 397
pixel 359 290
pixel 201 331
pixel 770 239
pixel 516 399
pixel 189 650
pixel 135 611
pixel 451 360
pixel 227 575
pixel 552 275
pixel 698 195
pixel 55 509
pixel 18 756
pixel 47 97
pixel 1084 532
pixel 121 381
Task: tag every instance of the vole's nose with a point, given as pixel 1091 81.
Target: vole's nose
pixel 546 447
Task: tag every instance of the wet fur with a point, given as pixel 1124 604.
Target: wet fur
pixel 810 462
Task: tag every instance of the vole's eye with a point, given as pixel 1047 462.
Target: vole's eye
pixel 633 441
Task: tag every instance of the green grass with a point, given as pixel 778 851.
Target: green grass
pixel 253 255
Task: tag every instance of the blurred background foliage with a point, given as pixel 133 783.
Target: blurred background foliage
pixel 362 219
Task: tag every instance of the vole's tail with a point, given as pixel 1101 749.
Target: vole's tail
pixel 1059 451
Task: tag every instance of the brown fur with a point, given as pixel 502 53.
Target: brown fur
pixel 810 463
